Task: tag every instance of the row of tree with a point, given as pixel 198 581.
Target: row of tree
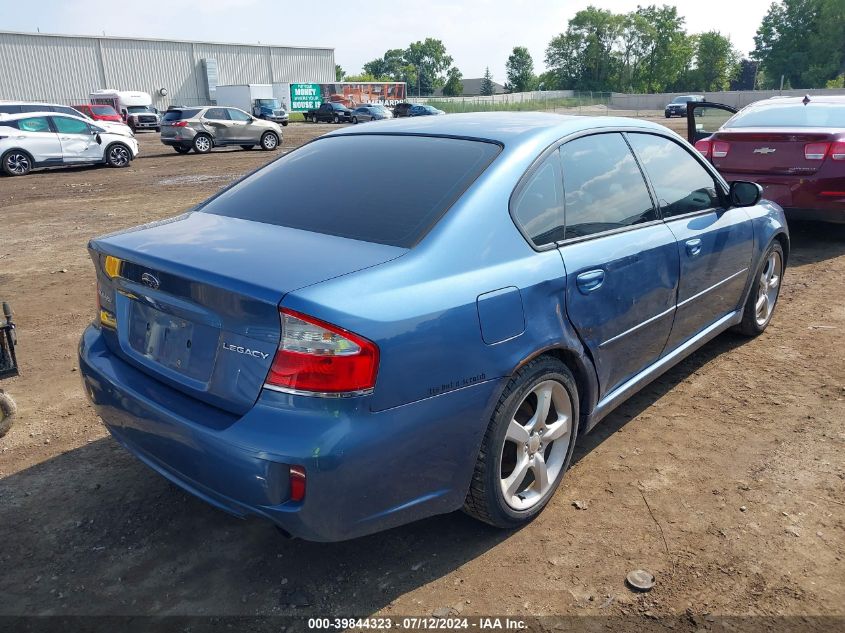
pixel 647 50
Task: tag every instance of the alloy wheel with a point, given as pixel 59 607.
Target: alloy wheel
pixel 269 141
pixel 202 144
pixel 119 156
pixel 536 445
pixel 768 288
pixel 18 164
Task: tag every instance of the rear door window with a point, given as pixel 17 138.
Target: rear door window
pixel 603 186
pixel 397 204
pixel 217 114
pixel 179 115
pixel 34 124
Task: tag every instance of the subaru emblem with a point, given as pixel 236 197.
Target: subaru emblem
pixel 148 279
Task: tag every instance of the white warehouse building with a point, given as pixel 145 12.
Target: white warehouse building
pixel 66 69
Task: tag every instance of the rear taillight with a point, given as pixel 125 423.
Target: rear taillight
pixel 816 151
pixel 837 151
pixel 720 149
pixel 319 358
pixel 179 124
pixel 703 146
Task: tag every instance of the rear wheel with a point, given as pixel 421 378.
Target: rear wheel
pixel 17 163
pixel 202 144
pixel 764 292
pixel 336 119
pixel 269 141
pixel 527 446
pixel 118 155
pixel 355 120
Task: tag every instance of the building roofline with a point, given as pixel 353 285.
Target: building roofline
pixel 162 39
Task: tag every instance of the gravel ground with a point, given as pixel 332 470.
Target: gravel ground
pixel 724 477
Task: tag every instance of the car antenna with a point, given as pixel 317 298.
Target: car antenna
pixel 806 99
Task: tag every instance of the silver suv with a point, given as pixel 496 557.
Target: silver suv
pixel 202 128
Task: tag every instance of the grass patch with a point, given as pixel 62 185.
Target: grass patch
pixel 514 106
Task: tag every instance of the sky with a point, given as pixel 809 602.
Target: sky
pixel 476 33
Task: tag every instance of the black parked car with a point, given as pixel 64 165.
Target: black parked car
pixel 678 105
pixel 424 110
pixel 330 112
pixel 402 109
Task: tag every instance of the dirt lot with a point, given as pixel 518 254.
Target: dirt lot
pixel 725 477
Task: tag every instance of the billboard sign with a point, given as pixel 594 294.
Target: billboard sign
pixel 305 97
pixel 351 94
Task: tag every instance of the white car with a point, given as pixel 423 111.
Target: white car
pixel 50 139
pixel 22 107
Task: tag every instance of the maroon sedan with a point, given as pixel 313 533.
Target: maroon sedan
pixel 793 147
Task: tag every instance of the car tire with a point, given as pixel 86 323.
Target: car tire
pixel 355 120
pixel 513 451
pixel 668 116
pixel 118 155
pixel 284 123
pixel 181 150
pixel 158 129
pixel 336 119
pixel 763 297
pixel 7 413
pixel 17 163
pixel 269 141
pixel 202 143
pixel 247 146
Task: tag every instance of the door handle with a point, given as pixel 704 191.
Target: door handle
pixel 693 247
pixel 590 281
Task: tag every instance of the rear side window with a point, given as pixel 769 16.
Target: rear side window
pixel 323 188
pixel 34 124
pixel 538 207
pixel 9 109
pixel 217 114
pixel 792 115
pixel 682 185
pixel 179 115
pixel 604 189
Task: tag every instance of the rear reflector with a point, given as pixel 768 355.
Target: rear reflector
pixel 720 149
pixel 318 358
pixel 297 483
pixel 833 194
pixel 703 146
pixel 815 151
pixel 837 151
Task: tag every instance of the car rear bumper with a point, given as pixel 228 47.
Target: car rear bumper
pixel 365 471
pixel 177 141
pixel 802 198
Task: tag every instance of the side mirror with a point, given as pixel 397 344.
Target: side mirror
pixel 99 139
pixel 745 194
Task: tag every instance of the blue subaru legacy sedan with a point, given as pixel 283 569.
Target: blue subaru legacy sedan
pixel 345 352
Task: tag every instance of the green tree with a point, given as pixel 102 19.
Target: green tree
pixel 717 62
pixel 520 70
pixel 339 73
pixel 366 77
pixel 453 87
pixel 487 87
pixel 667 49
pixel 431 62
pixel 746 76
pixel 390 65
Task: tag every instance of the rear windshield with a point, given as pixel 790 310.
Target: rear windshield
pixel 330 186
pixel 792 115
pixel 178 115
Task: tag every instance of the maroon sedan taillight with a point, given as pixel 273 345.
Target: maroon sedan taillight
pixel 816 151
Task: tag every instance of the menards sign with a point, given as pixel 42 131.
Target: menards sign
pixel 351 94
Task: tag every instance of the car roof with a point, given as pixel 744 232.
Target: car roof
pixel 780 100
pixel 29 115
pixel 507 128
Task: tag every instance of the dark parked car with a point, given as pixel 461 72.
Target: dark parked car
pixel 794 147
pixel 330 113
pixel 678 105
pixel 370 112
pixel 343 355
pixel 424 110
pixel 402 109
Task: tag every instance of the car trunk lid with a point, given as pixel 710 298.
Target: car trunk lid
pixel 770 150
pixel 196 298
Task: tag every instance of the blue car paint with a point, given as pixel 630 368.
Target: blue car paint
pixel 444 315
